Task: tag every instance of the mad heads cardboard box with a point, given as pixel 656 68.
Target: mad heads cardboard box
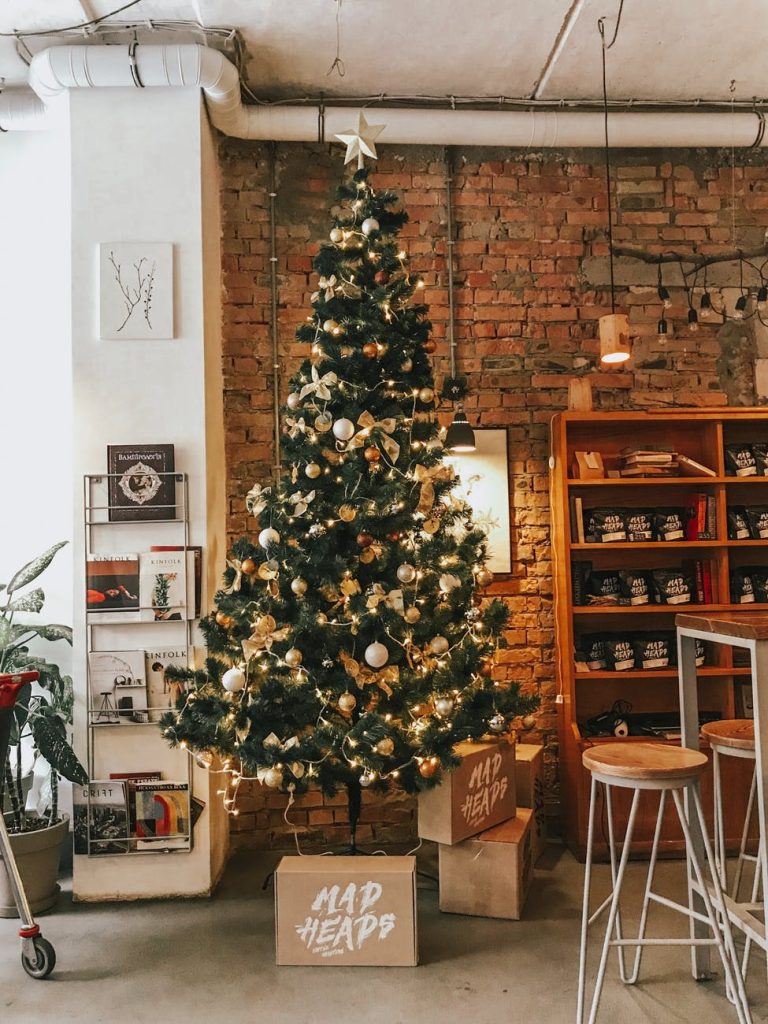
pixel 529 782
pixel 480 793
pixel 489 876
pixel 346 912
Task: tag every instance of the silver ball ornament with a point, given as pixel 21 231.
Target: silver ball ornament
pixel 365 780
pixel 369 225
pixel 443 706
pixel 376 655
pixel 293 401
pixel 439 645
pixel 497 724
pixel 343 429
pixel 293 657
pixel 273 778
pixel 233 680
pixel 337 235
pixel 268 536
pixel 406 573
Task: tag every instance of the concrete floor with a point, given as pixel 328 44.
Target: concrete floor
pixel 213 961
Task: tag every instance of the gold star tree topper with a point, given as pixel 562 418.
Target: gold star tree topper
pixel 360 141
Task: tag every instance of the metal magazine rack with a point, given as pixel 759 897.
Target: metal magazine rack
pixel 101 532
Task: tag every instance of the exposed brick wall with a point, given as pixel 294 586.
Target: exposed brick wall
pixel 531 269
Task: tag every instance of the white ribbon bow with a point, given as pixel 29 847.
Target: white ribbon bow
pixel 256 499
pixel 301 502
pixel 237 565
pixel 327 285
pixel 319 386
pixel 295 427
pixel 393 599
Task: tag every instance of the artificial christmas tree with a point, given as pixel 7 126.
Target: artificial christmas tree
pixel 349 645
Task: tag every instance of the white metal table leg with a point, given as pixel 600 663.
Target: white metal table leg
pixel 744 839
pixel 719 830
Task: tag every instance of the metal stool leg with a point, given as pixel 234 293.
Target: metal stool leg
pixel 721 930
pixel 720 854
pixel 585 905
pixel 648 885
pixel 612 850
pixel 743 844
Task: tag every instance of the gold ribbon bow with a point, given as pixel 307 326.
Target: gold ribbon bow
pixel 301 502
pixel 295 427
pixel 256 499
pixel 367 423
pixel 237 565
pixel 319 386
pixel 381 678
pixel 327 285
pixel 265 633
pixel 427 477
pixel 393 599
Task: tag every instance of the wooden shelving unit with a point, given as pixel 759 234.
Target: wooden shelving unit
pixel 701 435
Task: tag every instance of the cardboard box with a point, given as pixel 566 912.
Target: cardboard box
pixel 480 793
pixel 346 912
pixel 529 784
pixel 489 876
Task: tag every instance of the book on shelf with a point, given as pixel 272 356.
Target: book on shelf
pixel 163 693
pixel 112 587
pixel 118 687
pixel 690 467
pixel 696 518
pixel 100 814
pixel 700 573
pixel 652 471
pixel 162 585
pixel 577 520
pixel 712 517
pixel 162 816
pixel 194 573
pixel 142 484
pixel 642 457
pixel 153 776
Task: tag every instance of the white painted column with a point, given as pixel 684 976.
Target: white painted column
pixel 143 169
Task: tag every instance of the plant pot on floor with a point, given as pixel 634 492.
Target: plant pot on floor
pixel 37 858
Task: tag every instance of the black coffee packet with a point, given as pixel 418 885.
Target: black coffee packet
pixel 592 647
pixel 653 650
pixel 759 576
pixel 672 586
pixel 669 524
pixel 604 587
pixel 757 517
pixel 740 460
pixel 606 525
pixel 701 653
pixel 760 452
pixel 638 523
pixel 742 588
pixel 635 587
pixel 738 524
pixel 619 653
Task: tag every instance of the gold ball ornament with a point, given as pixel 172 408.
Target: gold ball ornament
pixel 372 455
pixel 367 555
pixel 406 573
pixel 323 422
pixel 312 470
pixel 426 395
pixel 439 645
pixel 412 614
pixel 273 778
pixel 293 657
pixel 364 540
pixel 429 346
pixel 248 566
pixel 224 620
pixel 347 513
pixel 443 706
pixel 370 349
pixel 347 702
pixel 428 768
pixel 431 526
pixel 385 747
pixel 330 326
pixel 299 586
pixel 268 570
pixel 203 759
pixel 484 577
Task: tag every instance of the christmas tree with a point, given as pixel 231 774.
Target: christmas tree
pixel 349 645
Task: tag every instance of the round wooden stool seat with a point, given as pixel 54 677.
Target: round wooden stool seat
pixel 737 733
pixel 653 762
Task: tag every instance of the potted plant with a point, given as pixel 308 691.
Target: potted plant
pixel 43 719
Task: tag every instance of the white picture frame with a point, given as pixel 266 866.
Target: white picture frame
pixel 135 290
pixel 484 485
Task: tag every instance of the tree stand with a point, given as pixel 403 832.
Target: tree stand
pixel 354 802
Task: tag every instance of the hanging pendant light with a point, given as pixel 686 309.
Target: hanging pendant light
pixel 460 436
pixel 613 327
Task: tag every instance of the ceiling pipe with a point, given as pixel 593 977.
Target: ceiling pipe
pixel 59 68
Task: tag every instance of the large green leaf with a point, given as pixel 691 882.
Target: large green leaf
pixel 50 740
pixel 31 602
pixel 32 569
pixel 55 632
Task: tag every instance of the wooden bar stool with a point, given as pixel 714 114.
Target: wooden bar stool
pixel 734 738
pixel 665 769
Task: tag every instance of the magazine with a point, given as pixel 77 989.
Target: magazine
pixel 118 687
pixel 163 586
pixel 112 587
pixel 162 816
pixel 141 482
pixel 162 692
pixel 107 823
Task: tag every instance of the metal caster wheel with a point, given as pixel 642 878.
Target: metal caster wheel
pixel 44 961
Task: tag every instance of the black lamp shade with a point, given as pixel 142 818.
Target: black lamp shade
pixel 460 436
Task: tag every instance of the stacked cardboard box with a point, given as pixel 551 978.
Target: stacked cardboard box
pixel 486 851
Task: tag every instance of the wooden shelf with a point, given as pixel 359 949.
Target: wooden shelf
pixel 669 609
pixel 706 671
pixel 665 481
pixel 660 545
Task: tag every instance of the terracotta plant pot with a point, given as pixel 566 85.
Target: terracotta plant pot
pixel 37 857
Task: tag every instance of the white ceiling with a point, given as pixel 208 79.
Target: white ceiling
pixel 677 51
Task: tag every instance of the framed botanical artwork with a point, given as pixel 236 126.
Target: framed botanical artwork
pixel 135 290
pixel 484 476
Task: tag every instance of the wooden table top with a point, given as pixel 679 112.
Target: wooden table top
pixel 743 625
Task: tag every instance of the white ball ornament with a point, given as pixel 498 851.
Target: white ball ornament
pixel 312 470
pixel 233 680
pixel 337 235
pixel 273 778
pixel 293 401
pixel 293 657
pixel 366 780
pixel 406 573
pixel 347 702
pixel 439 645
pixel 376 655
pixel 299 586
pixel 343 429
pixel 269 536
pixel 443 706
pixel 369 225
pixel 497 724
